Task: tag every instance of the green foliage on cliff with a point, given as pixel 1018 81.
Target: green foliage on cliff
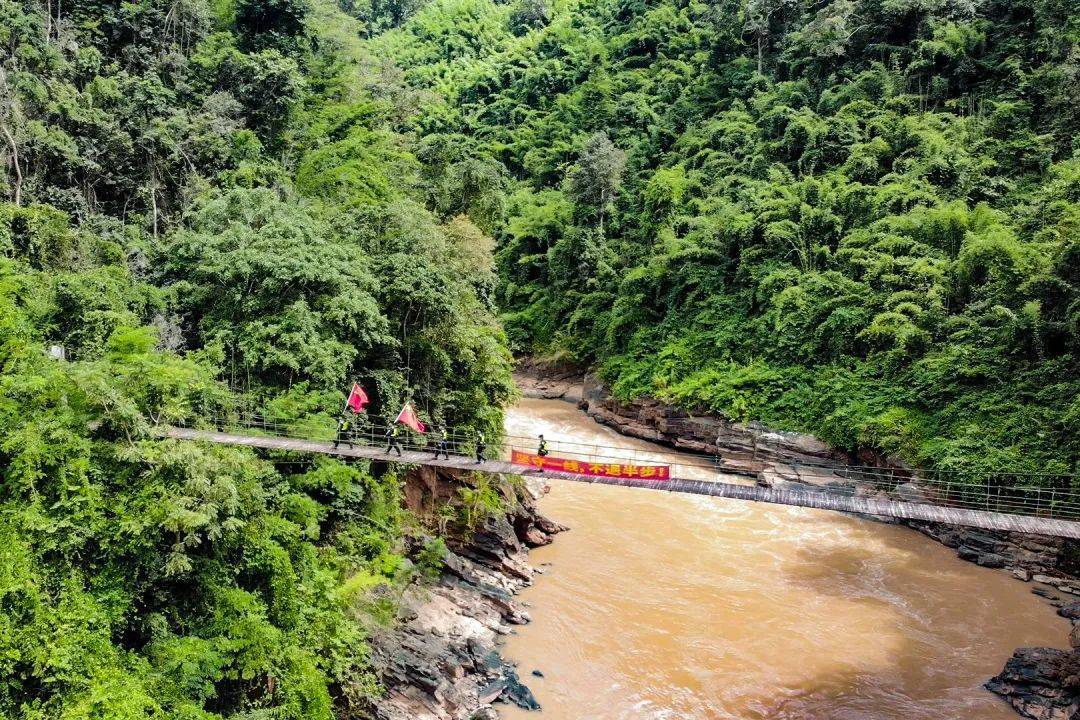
pixel 857 218
pixel 205 205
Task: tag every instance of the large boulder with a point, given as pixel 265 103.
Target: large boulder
pixel 1041 683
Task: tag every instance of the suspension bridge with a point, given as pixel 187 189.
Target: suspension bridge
pixel 998 504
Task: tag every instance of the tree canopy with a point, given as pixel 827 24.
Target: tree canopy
pixel 859 218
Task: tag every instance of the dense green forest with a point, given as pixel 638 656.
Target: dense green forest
pixel 207 206
pixel 859 218
pixel 856 218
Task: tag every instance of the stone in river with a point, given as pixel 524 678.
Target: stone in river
pixel 1041 683
pixel 1070 611
pixel 991 560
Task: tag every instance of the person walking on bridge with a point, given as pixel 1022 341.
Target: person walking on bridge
pixel 344 432
pixel 542 451
pixel 481 445
pixel 442 445
pixel 392 439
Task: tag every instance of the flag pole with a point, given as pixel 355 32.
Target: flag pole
pixel 347 396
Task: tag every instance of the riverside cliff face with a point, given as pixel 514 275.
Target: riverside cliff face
pixel 441 661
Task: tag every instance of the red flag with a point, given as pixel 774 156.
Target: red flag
pixel 357 398
pixel 407 416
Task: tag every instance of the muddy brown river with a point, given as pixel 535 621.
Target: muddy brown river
pixel 658 606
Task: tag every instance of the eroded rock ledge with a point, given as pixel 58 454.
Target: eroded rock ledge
pixel 548 380
pixel 750 448
pixel 442 662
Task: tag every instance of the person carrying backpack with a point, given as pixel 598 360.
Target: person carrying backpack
pixel 481 444
pixel 542 451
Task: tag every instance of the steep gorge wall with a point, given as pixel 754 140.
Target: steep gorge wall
pixel 441 660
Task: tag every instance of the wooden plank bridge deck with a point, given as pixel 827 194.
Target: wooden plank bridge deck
pixel 820 498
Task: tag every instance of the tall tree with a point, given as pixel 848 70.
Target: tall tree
pixel 528 15
pixel 596 178
pixel 9 113
pixel 757 21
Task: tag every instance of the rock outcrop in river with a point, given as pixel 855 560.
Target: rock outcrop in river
pixel 1044 683
pixel 441 661
pixel 548 380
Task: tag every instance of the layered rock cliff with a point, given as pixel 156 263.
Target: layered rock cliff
pixel 441 661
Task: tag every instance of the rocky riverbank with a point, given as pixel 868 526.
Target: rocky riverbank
pixel 549 380
pixel 1041 683
pixel 441 660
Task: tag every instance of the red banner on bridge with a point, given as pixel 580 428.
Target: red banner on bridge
pixel 593 469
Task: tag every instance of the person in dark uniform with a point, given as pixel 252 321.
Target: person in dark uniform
pixel 542 451
pixel 481 444
pixel 442 445
pixel 344 432
pixel 392 441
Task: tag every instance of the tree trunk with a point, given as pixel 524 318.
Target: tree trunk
pixel 153 202
pixel 603 206
pixel 15 161
pixel 761 53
